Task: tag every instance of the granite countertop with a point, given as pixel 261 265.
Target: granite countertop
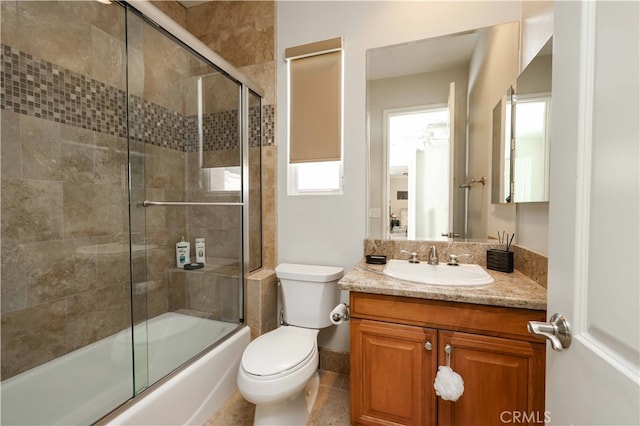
pixel 513 290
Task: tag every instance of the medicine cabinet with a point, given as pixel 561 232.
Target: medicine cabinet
pixel 521 140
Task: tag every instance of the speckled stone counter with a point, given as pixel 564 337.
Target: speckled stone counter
pixel 513 290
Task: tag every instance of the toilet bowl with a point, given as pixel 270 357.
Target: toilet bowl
pixel 278 365
pixel 278 370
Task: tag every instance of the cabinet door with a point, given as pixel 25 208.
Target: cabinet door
pixel 503 380
pixel 392 373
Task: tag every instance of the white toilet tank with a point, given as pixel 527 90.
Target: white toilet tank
pixel 309 293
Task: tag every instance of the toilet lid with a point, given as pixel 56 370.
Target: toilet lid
pixel 279 350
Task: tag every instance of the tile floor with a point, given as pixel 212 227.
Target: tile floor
pixel 331 409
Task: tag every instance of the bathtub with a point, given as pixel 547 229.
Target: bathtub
pixel 83 386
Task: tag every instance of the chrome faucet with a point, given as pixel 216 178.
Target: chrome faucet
pixel 433 256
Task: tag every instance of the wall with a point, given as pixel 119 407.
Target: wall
pixel 331 229
pixel 64 180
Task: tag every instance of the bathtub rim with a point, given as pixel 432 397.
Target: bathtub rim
pixel 136 399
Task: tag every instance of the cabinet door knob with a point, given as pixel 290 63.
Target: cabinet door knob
pixel 428 346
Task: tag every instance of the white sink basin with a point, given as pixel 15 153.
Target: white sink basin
pixel 442 274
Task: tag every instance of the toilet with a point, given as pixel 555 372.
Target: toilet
pixel 279 370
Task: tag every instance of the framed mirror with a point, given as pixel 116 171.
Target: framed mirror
pixel 429 105
pixel 532 113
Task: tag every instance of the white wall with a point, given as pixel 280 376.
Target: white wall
pixel 331 229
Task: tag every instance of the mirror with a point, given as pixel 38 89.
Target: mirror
pixel 501 150
pixel 532 113
pixel 429 103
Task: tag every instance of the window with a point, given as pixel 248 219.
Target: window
pixel 315 117
pixel 315 178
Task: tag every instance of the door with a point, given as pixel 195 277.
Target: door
pixel 594 214
pixel 503 380
pixel 419 173
pixel 392 371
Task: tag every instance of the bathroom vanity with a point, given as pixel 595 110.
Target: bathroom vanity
pixel 399 332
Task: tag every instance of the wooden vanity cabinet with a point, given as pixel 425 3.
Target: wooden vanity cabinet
pixel 395 373
pixel 397 344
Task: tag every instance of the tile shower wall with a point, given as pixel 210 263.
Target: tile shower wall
pixel 65 280
pixel 65 268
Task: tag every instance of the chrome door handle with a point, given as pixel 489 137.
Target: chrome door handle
pixel 556 331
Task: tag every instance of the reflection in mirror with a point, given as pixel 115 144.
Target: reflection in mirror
pixel 452 75
pixel 219 137
pixel 532 112
pixel 419 160
pixel 501 164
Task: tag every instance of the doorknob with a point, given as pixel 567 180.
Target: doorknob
pixel 556 330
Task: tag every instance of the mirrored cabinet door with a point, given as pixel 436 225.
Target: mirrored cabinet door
pixel 532 113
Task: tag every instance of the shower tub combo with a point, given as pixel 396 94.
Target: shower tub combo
pixel 99 325
pixel 50 393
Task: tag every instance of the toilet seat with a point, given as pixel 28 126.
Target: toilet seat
pixel 280 352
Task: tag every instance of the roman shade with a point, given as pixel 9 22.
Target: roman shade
pixel 315 101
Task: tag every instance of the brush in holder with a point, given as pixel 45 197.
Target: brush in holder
pixel 500 260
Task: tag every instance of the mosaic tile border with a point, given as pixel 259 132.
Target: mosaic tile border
pixel 39 88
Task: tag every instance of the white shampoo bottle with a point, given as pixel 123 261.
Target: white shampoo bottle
pixel 200 251
pixel 182 253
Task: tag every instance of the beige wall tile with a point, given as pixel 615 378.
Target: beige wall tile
pixel 263 74
pixel 31 210
pixel 204 292
pixel 172 9
pixel 13 289
pixel 262 302
pixel 269 206
pixel 241 32
pixel 56 269
pixel 32 336
pixel 40 145
pixel 108 59
pixel 10 143
pixel 9 21
pixel 177 289
pixel 96 314
pixel 93 209
pixel 38 21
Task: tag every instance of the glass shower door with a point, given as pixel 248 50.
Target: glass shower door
pixel 65 226
pixel 186 182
